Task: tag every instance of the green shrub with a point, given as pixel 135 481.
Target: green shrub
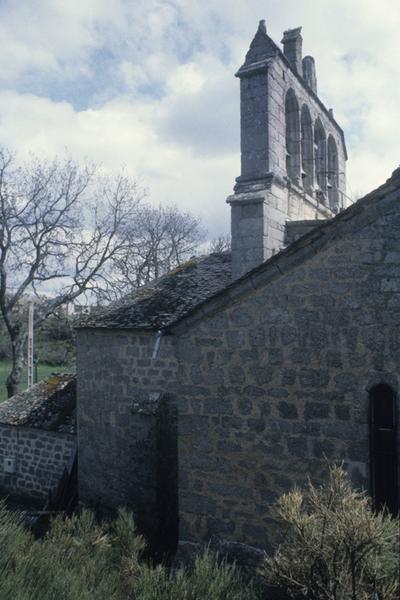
pixel 209 578
pixel 82 559
pixel 336 547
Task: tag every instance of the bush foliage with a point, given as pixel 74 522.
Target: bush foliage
pixel 337 547
pixel 81 559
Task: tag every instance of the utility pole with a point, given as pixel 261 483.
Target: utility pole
pixel 30 344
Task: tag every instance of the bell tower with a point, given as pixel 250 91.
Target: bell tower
pixel 293 152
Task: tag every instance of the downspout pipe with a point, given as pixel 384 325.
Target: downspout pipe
pixel 157 344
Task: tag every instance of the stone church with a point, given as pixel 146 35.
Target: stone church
pixel 218 387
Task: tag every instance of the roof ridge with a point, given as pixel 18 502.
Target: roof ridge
pixel 301 249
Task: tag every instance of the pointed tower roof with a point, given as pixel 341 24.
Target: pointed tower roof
pixel 261 47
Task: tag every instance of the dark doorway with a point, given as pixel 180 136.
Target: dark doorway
pixel 383 444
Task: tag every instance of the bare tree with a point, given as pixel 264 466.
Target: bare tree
pixel 221 244
pixel 160 239
pixel 61 226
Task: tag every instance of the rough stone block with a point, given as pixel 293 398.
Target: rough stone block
pixel 200 505
pixel 193 424
pixel 313 410
pixel 288 410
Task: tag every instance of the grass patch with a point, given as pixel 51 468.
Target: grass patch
pixel 43 372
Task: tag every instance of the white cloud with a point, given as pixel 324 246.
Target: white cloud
pixel 159 92
pixel 46 34
pixel 117 134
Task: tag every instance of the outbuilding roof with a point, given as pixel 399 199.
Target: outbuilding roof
pixel 167 299
pixel 49 404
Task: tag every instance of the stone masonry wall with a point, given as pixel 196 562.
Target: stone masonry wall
pixel 40 460
pixel 278 378
pixel 119 392
pixel 258 222
pixel 296 229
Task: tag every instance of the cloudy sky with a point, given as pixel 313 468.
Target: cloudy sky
pixel 149 85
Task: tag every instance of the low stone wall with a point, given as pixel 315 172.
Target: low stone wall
pixel 40 457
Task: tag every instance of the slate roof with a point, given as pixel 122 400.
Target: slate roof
pixel 169 298
pixel 49 404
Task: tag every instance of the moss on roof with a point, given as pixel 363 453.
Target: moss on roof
pixel 49 404
pixel 167 299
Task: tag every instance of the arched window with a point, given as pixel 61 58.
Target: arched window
pixel 333 174
pixel 320 156
pixel 292 114
pixel 307 155
pixel 383 448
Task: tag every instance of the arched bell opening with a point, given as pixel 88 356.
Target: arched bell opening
pixel 333 174
pixel 293 142
pixel 320 158
pixel 307 155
